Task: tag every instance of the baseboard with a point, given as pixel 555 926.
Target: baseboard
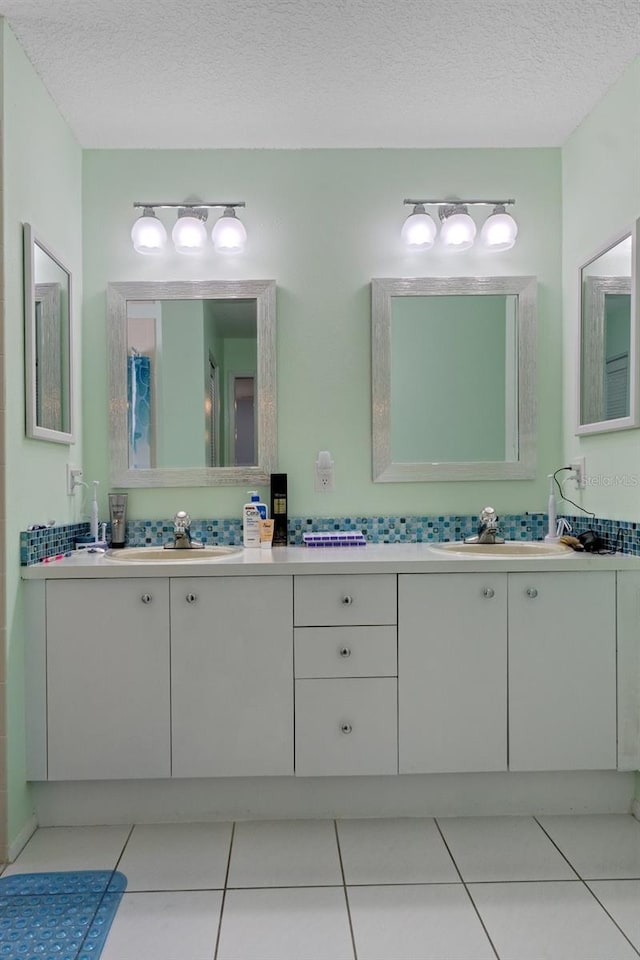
pixel 443 795
pixel 635 809
pixel 22 839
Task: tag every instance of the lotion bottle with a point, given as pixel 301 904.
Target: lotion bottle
pixel 252 513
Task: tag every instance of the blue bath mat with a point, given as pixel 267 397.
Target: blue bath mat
pixel 58 916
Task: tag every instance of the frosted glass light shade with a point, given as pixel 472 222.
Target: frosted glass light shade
pixel 419 230
pixel 229 234
pixel 458 232
pixel 189 234
pixel 499 231
pixel 148 234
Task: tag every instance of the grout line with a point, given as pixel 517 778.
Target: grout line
pixel 599 901
pixel 224 892
pixel 562 854
pixel 346 892
pixel 466 889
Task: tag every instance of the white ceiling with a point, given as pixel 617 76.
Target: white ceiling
pixel 326 73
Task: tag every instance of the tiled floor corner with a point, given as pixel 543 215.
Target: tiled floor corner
pixel 502 888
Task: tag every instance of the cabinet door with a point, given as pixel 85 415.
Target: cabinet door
pixel 562 671
pixel 232 676
pixel 108 679
pixel 452 672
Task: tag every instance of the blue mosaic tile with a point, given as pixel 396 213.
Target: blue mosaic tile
pixel 36 545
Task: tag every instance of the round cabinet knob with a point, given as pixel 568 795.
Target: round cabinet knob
pixel 347 600
pixel 488 592
pixel 345 728
pixel 146 598
pixel 345 652
pixel 191 598
pixel 532 592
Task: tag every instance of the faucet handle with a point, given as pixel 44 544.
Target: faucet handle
pixel 488 515
pixel 182 520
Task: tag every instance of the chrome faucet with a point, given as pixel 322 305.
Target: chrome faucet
pixel 487 529
pixel 182 534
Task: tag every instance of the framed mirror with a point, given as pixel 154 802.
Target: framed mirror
pixel 48 343
pixel 608 371
pixel 453 378
pixel 192 382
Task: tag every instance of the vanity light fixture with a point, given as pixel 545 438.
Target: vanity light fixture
pixel 189 233
pixel 458 230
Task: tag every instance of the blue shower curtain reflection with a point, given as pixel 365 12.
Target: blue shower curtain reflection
pixel 139 406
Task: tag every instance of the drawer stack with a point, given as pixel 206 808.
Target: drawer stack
pixel 346 669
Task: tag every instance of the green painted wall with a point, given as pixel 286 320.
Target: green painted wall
pixel 601 199
pixel 42 169
pixel 182 384
pixel 322 223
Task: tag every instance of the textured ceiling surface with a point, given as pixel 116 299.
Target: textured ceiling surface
pixel 325 73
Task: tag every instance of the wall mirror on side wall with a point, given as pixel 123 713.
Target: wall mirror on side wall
pixel 192 381
pixel 48 343
pixel 609 320
pixel 454 378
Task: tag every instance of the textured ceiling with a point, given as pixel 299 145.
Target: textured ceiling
pixel 326 73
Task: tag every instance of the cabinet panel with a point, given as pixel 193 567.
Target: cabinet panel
pixel 108 679
pixel 346 727
pixel 346 652
pixel 345 600
pixel 562 671
pixel 452 672
pixel 232 676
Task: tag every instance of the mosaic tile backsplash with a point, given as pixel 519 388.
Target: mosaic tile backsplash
pixel 37 545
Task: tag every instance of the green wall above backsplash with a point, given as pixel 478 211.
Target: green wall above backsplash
pixel 323 223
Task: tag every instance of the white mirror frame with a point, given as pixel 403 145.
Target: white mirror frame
pixel 264 292
pixel 382 290
pixel 33 430
pixel 633 420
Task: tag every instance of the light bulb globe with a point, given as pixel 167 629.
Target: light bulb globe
pixel 418 230
pixel 189 234
pixel 458 232
pixel 148 234
pixel 229 234
pixel 499 231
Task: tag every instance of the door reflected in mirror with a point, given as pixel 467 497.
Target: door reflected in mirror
pixel 192 380
pixel 183 412
pixel 608 341
pixel 48 340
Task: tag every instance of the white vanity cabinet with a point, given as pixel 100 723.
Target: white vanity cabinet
pixel 231 676
pixel 544 643
pixel 107 679
pixel 562 671
pixel 452 672
pixel 346 675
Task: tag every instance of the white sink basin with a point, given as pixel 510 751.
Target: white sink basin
pixel 512 548
pixel 153 554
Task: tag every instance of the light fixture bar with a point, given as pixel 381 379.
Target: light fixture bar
pixel 456 203
pixel 189 206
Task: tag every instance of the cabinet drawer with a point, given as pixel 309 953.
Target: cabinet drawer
pixel 346 727
pixel 345 652
pixel 349 600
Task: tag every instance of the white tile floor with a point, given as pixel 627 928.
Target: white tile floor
pixel 512 888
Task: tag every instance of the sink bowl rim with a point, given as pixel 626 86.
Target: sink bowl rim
pixel 160 555
pixel 515 549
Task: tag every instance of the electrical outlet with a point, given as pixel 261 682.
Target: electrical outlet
pixel 74 479
pixel 324 472
pixel 579 471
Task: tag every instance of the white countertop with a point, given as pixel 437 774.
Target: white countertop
pixel 374 558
